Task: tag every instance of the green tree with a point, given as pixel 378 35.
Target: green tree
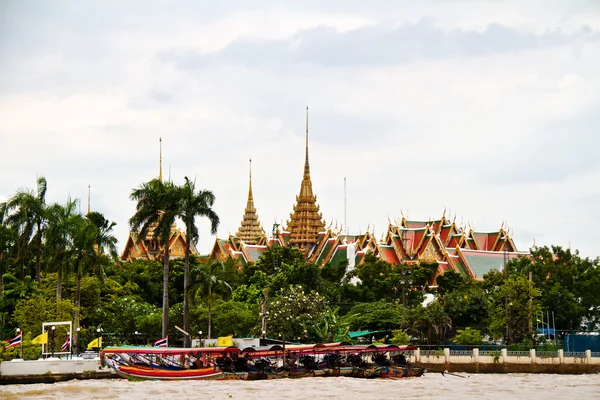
pixel 468 336
pixel 400 337
pixel 271 260
pixel 332 328
pixel 16 289
pixel 204 284
pixel 7 242
pixel 467 306
pixel 511 308
pixel 375 316
pixel 235 318
pixel 59 249
pixel 32 311
pixel 194 204
pixel 450 282
pixel 158 205
pixel 295 313
pixel 94 245
pixel 27 214
pixel 304 273
pixel 567 283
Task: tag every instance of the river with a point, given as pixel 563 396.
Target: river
pixel 431 385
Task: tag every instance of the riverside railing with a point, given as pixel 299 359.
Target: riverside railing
pixel 444 356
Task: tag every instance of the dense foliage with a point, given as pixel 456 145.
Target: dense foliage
pixel 59 265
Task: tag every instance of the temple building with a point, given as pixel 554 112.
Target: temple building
pixel 150 247
pixel 468 252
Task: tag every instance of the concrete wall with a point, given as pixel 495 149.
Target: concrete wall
pixel 49 366
pixel 505 361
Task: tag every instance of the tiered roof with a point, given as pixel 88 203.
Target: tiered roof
pixel 250 230
pixel 306 222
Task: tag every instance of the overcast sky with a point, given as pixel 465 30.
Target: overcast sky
pixel 488 109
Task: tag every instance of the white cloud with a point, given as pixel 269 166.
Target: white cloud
pixel 489 112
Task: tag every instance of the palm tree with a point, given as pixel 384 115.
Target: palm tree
pixel 93 245
pixel 27 214
pixel 204 285
pixel 62 222
pixel 84 234
pixel 105 241
pixel 194 204
pixel 16 289
pixel 7 241
pixel 157 208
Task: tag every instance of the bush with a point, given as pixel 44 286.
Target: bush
pixel 468 336
pixel 400 337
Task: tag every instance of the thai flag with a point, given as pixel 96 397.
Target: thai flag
pixel 164 342
pixel 66 344
pixel 17 340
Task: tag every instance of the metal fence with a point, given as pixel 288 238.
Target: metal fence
pixel 432 352
pixel 580 354
pixel 492 353
pixel 461 352
pixel 551 354
pixel 518 353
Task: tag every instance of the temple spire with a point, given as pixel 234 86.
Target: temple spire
pixel 250 198
pixel 89 208
pixel 306 164
pixel 250 230
pixel 160 160
pixel 305 221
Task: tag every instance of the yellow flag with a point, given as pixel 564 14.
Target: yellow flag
pixel 225 341
pixel 94 343
pixel 41 339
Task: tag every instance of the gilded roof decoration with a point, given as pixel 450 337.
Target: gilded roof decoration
pixel 250 230
pixel 305 221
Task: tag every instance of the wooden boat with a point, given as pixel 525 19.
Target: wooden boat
pixel 223 363
pixel 407 371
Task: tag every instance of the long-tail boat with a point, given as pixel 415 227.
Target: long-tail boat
pixel 258 363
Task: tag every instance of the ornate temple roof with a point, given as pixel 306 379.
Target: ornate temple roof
pixel 150 247
pixel 250 230
pixel 306 221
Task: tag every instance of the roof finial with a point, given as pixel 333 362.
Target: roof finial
pixel 250 186
pixel 89 208
pixel 306 165
pixel 160 160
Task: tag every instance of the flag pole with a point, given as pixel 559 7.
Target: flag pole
pixel 21 347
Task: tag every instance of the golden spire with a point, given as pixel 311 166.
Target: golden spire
pixel 305 221
pixel 250 198
pixel 89 208
pixel 250 229
pixel 306 164
pixel 160 160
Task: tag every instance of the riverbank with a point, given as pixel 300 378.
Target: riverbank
pixel 52 370
pixel 503 361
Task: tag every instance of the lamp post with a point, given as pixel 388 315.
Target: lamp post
pixel 548 330
pixel 52 340
pixel 21 346
pixel 200 335
pixel 135 336
pixel 99 330
pixel 77 341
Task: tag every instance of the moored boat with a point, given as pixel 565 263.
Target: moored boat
pixel 225 363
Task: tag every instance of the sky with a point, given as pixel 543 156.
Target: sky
pixel 488 110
